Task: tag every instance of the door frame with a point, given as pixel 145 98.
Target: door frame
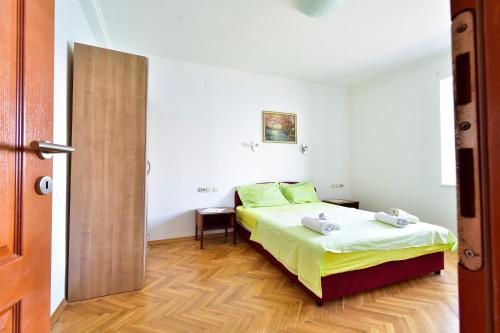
pixel 479 292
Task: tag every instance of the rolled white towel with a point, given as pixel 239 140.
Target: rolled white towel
pixel 318 225
pixel 324 217
pixel 392 220
pixel 404 215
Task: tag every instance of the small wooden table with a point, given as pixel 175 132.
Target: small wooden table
pixel 344 203
pixel 206 220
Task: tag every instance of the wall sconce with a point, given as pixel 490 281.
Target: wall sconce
pixel 304 148
pixel 254 146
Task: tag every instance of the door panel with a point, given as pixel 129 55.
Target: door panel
pixel 8 71
pixel 6 320
pixel 26 87
pixel 108 175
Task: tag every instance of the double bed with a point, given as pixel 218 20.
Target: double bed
pixel 329 267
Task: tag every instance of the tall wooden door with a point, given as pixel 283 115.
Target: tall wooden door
pixel 108 174
pixel 476 60
pixel 26 88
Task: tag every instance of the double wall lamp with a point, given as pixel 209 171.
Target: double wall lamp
pixel 255 147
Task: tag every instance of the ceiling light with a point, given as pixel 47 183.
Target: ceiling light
pixel 318 8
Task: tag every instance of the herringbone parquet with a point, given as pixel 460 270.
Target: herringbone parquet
pixel 226 288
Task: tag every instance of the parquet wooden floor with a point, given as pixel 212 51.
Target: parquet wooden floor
pixel 226 288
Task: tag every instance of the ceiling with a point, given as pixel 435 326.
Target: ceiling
pixel 360 40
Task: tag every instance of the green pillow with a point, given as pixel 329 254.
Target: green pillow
pixel 261 195
pixel 300 192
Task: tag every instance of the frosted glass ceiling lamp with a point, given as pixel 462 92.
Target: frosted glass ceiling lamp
pixel 318 8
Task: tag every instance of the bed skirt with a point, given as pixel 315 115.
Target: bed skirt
pixel 342 284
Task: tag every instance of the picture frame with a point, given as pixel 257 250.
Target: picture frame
pixel 279 127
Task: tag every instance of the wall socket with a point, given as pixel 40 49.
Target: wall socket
pixel 207 189
pixel 337 186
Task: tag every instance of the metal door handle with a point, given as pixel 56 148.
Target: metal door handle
pixel 45 149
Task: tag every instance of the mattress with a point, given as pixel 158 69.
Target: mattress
pixel 334 263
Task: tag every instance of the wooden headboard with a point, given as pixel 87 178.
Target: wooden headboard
pixel 237 200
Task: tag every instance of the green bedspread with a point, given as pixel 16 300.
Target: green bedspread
pixel 301 250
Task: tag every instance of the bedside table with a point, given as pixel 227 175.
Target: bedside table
pixel 344 203
pixel 206 220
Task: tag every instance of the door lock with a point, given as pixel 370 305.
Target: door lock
pixel 43 185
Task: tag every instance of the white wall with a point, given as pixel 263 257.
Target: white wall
pixel 70 25
pixel 395 141
pixel 200 122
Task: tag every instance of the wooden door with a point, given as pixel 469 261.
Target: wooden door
pixel 476 54
pixel 26 88
pixel 107 208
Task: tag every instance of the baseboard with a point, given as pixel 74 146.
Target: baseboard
pixel 169 240
pixel 58 312
pixel 208 235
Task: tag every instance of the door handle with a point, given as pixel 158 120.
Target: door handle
pixel 45 149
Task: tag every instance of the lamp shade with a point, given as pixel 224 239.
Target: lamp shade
pixel 318 8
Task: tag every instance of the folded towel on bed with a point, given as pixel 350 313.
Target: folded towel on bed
pixel 392 220
pixel 403 215
pixel 328 218
pixel 322 226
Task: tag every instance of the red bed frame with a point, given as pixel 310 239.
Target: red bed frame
pixel 347 283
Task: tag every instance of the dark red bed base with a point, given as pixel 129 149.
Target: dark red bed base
pixel 343 284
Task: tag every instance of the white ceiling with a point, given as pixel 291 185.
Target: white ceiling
pixel 357 42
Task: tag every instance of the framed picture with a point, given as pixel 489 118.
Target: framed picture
pixel 279 127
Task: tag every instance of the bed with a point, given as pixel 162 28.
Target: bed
pixel 340 274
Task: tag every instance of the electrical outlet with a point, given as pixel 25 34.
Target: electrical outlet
pixel 215 189
pixel 337 186
pixel 203 189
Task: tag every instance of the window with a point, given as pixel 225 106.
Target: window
pixel 448 169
